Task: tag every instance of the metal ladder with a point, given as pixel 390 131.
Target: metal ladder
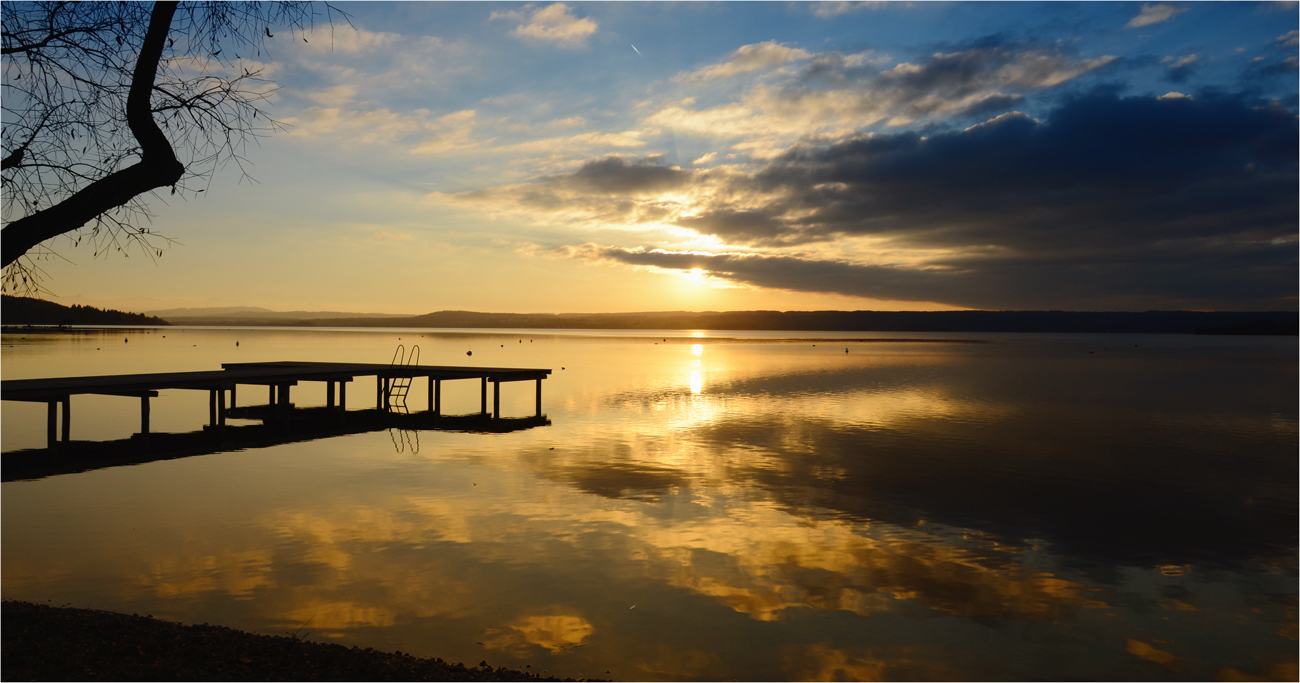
pixel 400 386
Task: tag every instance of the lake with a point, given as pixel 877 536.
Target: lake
pixel 709 505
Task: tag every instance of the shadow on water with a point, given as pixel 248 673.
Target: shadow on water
pixel 279 426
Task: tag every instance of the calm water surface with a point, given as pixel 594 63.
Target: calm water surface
pixel 732 505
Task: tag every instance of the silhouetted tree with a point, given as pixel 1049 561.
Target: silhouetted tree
pixel 104 103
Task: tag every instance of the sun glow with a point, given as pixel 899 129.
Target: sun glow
pixel 696 275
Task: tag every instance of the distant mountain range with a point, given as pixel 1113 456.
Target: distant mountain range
pixel 1175 322
pixel 22 311
pixel 252 315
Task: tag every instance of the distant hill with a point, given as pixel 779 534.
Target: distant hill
pixel 252 316
pixel 1168 322
pixel 18 310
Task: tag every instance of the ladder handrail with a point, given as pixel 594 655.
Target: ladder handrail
pixel 400 386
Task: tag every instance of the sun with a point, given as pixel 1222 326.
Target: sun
pixel 696 275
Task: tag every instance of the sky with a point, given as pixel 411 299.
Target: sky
pixel 589 157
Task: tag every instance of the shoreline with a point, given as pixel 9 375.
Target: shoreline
pixel 42 642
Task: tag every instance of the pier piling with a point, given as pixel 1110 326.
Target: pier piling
pixel 144 417
pixel 51 435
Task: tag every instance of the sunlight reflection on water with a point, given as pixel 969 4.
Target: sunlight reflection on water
pixel 1018 509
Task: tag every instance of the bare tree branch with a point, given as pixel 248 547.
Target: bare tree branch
pixel 106 102
pixel 157 167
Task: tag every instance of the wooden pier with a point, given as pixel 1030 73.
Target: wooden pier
pixel 279 378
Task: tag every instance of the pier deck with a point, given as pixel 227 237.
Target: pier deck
pixel 277 376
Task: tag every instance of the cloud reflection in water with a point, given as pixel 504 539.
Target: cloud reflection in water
pixel 905 512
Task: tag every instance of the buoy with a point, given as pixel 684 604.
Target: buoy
pixel 236 343
pixel 469 353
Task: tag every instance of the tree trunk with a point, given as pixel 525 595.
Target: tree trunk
pixel 158 166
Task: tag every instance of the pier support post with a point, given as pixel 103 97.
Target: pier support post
pixel 67 419
pixel 270 398
pixel 329 394
pixel 221 406
pixel 496 399
pixel 437 396
pixel 212 407
pixel 144 417
pixel 282 397
pixel 388 392
pixel 51 432
pixel 482 404
pixel 343 395
pixel 539 399
pixel 232 395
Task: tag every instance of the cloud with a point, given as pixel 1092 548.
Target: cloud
pixel 1181 68
pixel 417 132
pixel 1154 13
pixel 336 96
pixel 618 176
pixel 830 10
pixel 747 59
pixel 344 39
pixel 1106 202
pixel 554 24
pixel 835 94
pixel 1289 39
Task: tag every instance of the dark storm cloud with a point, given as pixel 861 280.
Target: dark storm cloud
pixel 1100 173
